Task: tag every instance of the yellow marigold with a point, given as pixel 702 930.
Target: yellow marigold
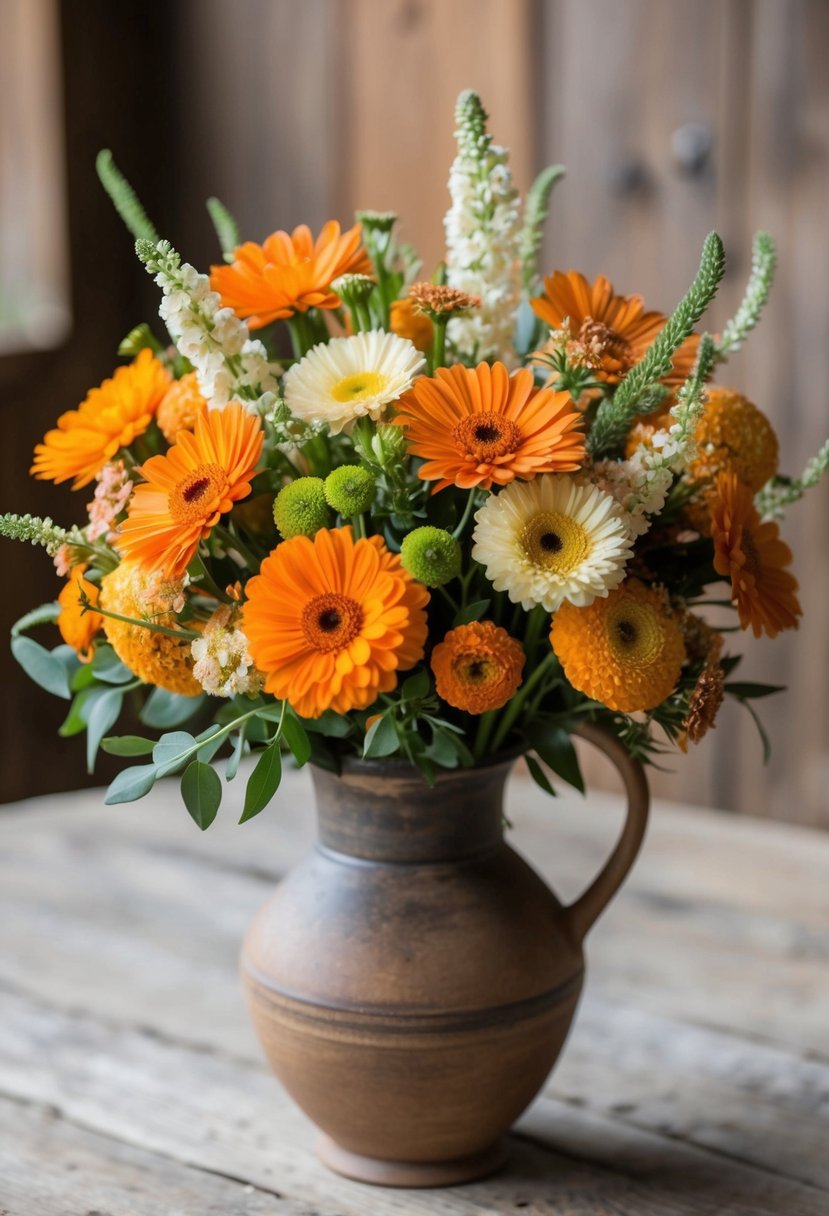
pixel 109 419
pixel 625 651
pixel 332 620
pixel 477 667
pixel 78 628
pixel 180 407
pixel 754 557
pixel 155 658
pixel 732 436
pixel 408 322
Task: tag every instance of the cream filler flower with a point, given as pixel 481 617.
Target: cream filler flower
pixel 552 539
pixel 223 664
pixel 349 378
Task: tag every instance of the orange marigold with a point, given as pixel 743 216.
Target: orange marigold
pixel 408 322
pixel 332 620
pixel 109 419
pixel 625 651
pixel 180 407
pixel 156 658
pixel 187 490
pixel 477 667
pixel 289 272
pixel 754 557
pixel 479 426
pixel 610 333
pixel 77 627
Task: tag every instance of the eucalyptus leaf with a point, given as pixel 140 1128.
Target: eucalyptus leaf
pixel 329 724
pixel 163 710
pixel 103 711
pixel 201 791
pixel 108 668
pixel 263 782
pixel 46 614
pixel 127 745
pixel 41 666
pixel 172 750
pixel 232 767
pixel 131 784
pixel 75 721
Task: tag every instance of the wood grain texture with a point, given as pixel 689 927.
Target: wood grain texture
pixel 696 1078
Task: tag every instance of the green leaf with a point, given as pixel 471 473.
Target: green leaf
pixel 210 748
pixel 124 198
pixel 381 738
pixel 42 666
pixel 75 721
pixel 761 730
pixel 235 757
pixel 472 612
pixel 444 748
pixel 46 614
pixel 108 668
pixel 536 210
pixel 139 338
pixel 127 745
pixel 554 746
pixel 102 714
pixel 131 784
pixel 163 709
pixel 201 790
pixel 295 735
pixel 172 750
pixel 539 776
pixel 227 230
pixel 263 782
pixel 747 691
pixel 83 678
pixel 329 724
pixel 270 713
pixel 416 687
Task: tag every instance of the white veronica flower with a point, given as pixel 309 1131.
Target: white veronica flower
pixel 349 378
pixel 552 539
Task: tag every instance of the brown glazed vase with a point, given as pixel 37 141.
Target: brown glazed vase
pixel 413 981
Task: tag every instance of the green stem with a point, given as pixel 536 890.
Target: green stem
pixel 358 523
pixel 464 519
pixel 517 703
pixel 185 635
pixel 449 599
pixel 231 541
pixel 438 343
pixel 485 725
pixel 301 338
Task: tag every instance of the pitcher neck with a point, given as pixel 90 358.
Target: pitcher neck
pixel 385 811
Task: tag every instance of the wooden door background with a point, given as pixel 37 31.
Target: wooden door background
pixel 297 112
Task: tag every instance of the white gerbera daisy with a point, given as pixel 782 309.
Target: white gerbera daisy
pixel 349 378
pixel 552 539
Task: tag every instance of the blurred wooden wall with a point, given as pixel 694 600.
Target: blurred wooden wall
pixel 348 103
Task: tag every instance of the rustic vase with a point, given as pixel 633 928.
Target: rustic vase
pixel 413 981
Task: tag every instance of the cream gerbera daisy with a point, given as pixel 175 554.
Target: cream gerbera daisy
pixel 552 539
pixel 349 378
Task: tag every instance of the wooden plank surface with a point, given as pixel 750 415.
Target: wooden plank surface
pixel 696 1078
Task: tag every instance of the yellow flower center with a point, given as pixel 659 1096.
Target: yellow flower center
pixel 487 436
pixel 359 387
pixel 331 621
pixel 555 542
pixel 634 633
pixel 196 495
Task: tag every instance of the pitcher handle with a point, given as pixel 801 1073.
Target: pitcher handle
pixel 586 910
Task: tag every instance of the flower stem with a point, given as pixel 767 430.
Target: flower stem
pixel 517 703
pixel 464 519
pixel 438 342
pixel 485 725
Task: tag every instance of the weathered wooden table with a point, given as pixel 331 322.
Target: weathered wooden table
pixel 696 1079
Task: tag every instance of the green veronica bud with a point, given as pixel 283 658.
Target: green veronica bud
pixel 350 489
pixel 376 221
pixel 300 508
pixel 431 555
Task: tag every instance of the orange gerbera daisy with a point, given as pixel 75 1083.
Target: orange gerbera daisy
pixel 78 628
pixel 186 491
pixel 609 333
pixel 332 620
pixel 289 273
pixel 109 419
pixel 477 667
pixel 752 554
pixel 479 426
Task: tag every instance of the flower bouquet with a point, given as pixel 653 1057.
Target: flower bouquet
pixel 420 524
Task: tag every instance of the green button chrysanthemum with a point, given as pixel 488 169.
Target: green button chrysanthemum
pixel 431 555
pixel 300 508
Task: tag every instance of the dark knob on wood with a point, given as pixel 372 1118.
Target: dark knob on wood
pixel 691 147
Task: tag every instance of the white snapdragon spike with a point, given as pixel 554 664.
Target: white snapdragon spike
pixel 223 664
pixel 229 364
pixel 483 238
pixel 552 539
